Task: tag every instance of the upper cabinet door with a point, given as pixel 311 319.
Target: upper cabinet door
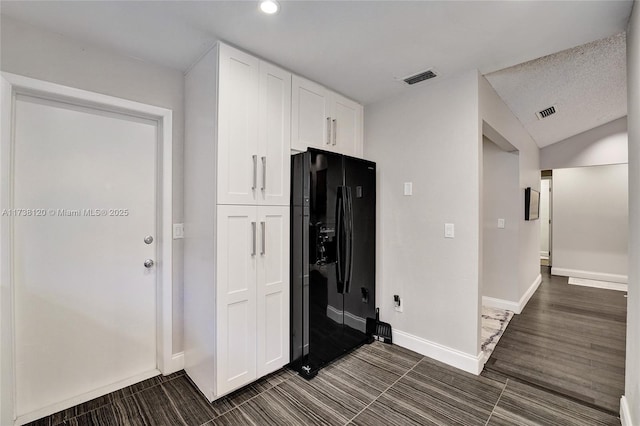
pixel 310 115
pixel 346 131
pixel 238 156
pixel 274 135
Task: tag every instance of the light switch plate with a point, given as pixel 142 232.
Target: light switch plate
pixel 408 188
pixel 178 231
pixel 449 230
pixel 501 223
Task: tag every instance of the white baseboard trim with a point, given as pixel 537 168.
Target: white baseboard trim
pixel 527 295
pixel 625 413
pixel 453 357
pixel 71 402
pixel 492 302
pixel 176 363
pixel 598 276
pixel 598 284
pixel 515 307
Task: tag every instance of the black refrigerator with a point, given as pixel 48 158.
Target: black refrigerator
pixel 333 237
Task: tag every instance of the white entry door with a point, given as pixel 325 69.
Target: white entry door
pixel 85 303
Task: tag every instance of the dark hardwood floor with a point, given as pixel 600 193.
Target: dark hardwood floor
pixel 377 384
pixel 569 340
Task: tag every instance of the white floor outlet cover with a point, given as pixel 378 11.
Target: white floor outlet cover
pixel 598 284
pixel 494 323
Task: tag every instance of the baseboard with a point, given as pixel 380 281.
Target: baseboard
pixel 515 307
pixel 453 357
pixel 598 284
pixel 176 363
pixel 507 305
pixel 598 276
pixel 527 295
pixel 625 413
pixel 63 405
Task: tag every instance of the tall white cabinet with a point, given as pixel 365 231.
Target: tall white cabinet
pixel 237 171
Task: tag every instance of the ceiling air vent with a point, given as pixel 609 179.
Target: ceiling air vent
pixel 546 112
pixel 426 75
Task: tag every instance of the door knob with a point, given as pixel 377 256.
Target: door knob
pixel 148 263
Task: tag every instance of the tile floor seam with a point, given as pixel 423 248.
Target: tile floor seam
pixel 244 402
pixel 497 401
pixel 65 421
pixel 175 408
pixel 384 391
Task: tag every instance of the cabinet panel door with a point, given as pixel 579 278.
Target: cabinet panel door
pixel 237 127
pixel 237 257
pixel 347 128
pixel 275 135
pixel 273 289
pixel 310 115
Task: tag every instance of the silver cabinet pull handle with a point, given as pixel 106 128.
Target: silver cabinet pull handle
pixel 328 130
pixel 335 130
pixel 264 173
pixel 255 171
pixel 264 238
pixel 253 238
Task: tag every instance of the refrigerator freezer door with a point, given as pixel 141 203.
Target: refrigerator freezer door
pixel 359 300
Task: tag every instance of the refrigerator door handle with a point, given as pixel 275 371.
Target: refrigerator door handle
pixel 339 230
pixel 349 239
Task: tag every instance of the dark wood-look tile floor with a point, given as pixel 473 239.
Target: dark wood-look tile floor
pixel 377 384
pixel 569 340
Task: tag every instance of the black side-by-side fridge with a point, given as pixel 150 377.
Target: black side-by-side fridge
pixel 333 228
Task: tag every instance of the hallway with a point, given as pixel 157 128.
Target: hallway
pixel 569 340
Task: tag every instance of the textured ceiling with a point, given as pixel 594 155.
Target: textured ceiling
pixel 355 47
pixel 586 83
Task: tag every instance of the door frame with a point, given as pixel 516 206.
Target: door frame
pixel 12 85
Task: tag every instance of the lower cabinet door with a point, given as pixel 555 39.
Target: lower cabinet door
pixel 237 255
pixel 273 289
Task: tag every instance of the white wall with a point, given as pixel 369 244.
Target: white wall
pixel 590 217
pixel 430 136
pixel 545 204
pixel 48 56
pixel 632 372
pixel 606 144
pixel 500 199
pixel 495 114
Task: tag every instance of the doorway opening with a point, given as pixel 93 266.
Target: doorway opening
pixel 546 211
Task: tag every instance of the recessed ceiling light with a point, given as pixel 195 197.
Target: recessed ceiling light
pixel 269 6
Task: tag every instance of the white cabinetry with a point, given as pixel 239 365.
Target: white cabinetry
pixel 324 119
pixel 253 130
pixel 237 172
pixel 252 293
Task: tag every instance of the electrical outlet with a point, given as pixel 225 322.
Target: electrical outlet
pixel 397 302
